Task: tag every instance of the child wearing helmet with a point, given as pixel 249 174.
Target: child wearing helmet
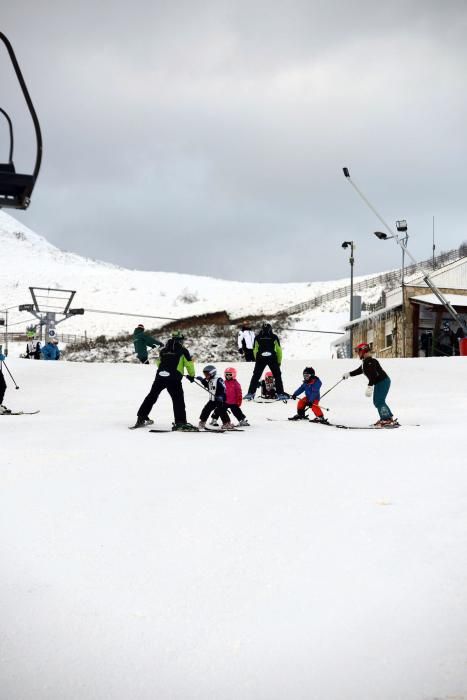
pixel 233 398
pixel 311 385
pixel 378 385
pixel 217 398
pixel 268 386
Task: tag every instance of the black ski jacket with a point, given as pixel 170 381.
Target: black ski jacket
pixel 371 368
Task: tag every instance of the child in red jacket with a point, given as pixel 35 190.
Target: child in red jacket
pixel 233 399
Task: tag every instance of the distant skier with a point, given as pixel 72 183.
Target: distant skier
pixel 142 341
pixel 3 409
pixel 217 398
pixel 378 384
pixel 311 386
pixel 246 341
pixel 233 398
pixel 268 386
pixel 33 346
pixel 268 353
pixel 51 351
pixel 174 358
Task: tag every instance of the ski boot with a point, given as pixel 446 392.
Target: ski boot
pixel 184 427
pixel 320 419
pixel 242 423
pixel 202 425
pixel 298 416
pixel 4 411
pixel 142 422
pixel 228 426
pixel 389 423
pixel 249 397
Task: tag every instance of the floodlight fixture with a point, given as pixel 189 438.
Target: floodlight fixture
pixel 401 225
pixel 381 235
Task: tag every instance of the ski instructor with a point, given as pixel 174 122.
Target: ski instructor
pixel 174 358
pixel 268 353
pixel 378 385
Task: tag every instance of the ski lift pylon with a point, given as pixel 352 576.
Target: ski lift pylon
pixel 16 188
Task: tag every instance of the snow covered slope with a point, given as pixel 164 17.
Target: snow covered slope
pixel 29 260
pixel 287 561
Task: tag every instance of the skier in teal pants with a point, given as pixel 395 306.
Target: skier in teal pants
pixel 378 385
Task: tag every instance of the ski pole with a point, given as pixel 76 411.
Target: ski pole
pixel 197 384
pixel 12 378
pixel 333 387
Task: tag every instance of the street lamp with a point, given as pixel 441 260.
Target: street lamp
pixel 401 226
pixel 345 245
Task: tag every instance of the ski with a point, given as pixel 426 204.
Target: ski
pixel 20 413
pixel 261 400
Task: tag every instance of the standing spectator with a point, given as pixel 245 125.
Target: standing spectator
pixel 268 353
pixel 51 351
pixel 33 346
pixel 142 341
pixel 445 341
pixel 174 358
pixel 246 341
pixel 459 335
pixel 3 409
pixel 233 398
pixel 378 385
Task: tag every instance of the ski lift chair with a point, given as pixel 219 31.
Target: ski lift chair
pixel 16 188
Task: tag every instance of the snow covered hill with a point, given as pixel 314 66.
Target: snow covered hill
pixel 287 561
pixel 29 260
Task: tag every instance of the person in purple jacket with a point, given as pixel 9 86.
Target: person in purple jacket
pixel 311 386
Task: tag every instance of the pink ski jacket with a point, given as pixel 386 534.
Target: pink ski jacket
pixel 233 392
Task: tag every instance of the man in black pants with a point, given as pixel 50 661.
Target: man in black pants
pixel 174 358
pixel 268 353
pixel 3 409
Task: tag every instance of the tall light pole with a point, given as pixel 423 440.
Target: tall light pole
pixel 346 244
pixel 425 276
pixel 401 226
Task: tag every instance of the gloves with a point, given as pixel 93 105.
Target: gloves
pixel 240 351
pixel 346 375
pixel 294 397
pixel 369 391
pixel 2 357
pixel 200 379
pixel 190 378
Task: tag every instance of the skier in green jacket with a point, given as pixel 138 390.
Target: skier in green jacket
pixel 142 341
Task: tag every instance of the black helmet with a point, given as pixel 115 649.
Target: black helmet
pixel 266 328
pixel 210 370
pixel 308 373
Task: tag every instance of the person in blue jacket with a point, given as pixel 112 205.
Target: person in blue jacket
pixel 51 351
pixel 311 386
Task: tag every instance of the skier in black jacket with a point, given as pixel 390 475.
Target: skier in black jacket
pixel 378 384
pixel 268 353
pixel 174 358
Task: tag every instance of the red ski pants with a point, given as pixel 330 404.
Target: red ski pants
pixel 303 403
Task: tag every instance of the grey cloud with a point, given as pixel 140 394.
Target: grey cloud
pixel 210 137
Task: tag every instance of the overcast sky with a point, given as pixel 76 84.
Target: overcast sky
pixel 209 137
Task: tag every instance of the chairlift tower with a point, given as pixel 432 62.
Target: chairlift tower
pixel 51 306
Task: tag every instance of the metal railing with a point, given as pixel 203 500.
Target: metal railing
pixel 388 280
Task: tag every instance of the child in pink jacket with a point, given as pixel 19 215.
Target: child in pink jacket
pixel 233 399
